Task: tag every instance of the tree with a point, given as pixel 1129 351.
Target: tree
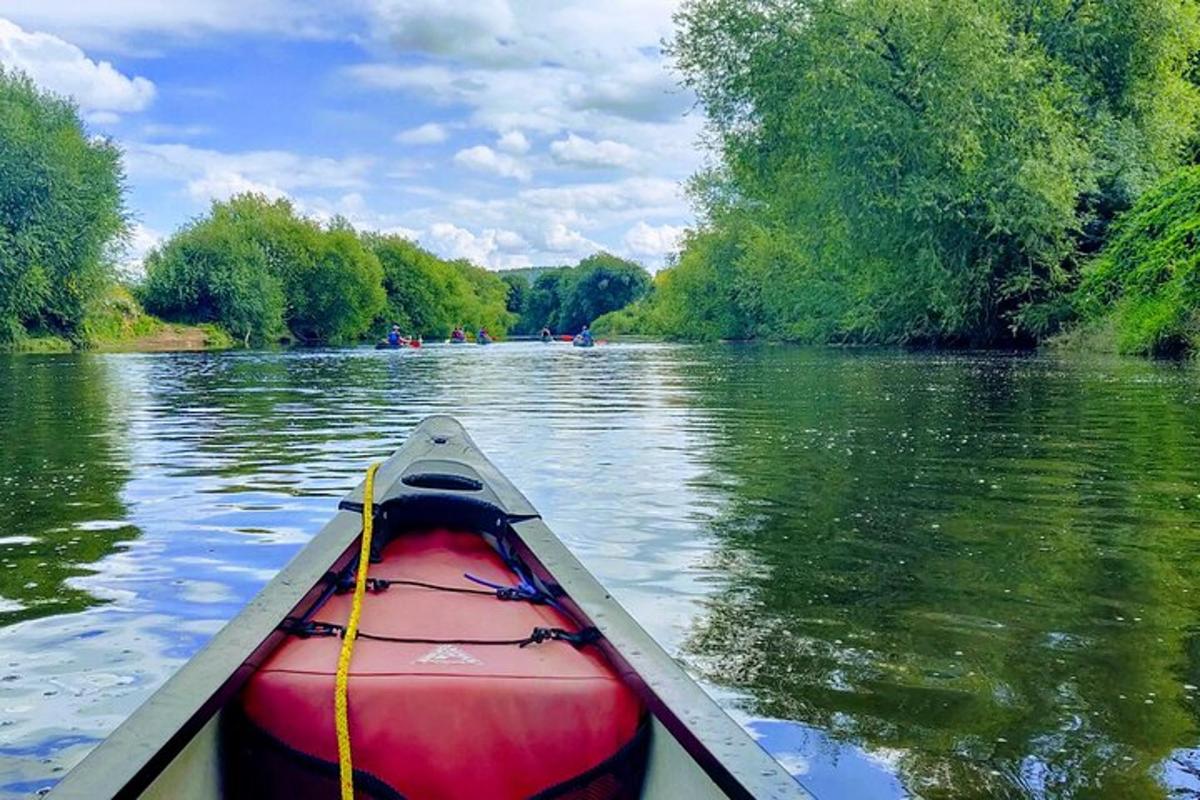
pixel 599 284
pixel 414 281
pixel 566 298
pixel 429 296
pixel 61 212
pixel 933 170
pixel 342 291
pixel 209 272
pixel 542 305
pixel 518 292
pixel 321 284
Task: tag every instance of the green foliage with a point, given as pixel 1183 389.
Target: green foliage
pixel 117 316
pixel 919 170
pixel 259 270
pixel 543 301
pixel 485 303
pixel 599 284
pixel 61 212
pixel 567 298
pixel 427 296
pixel 518 292
pixel 209 272
pixel 340 292
pixel 1146 282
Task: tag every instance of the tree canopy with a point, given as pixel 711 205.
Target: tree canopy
pixel 428 296
pixel 61 212
pixel 920 170
pixel 567 298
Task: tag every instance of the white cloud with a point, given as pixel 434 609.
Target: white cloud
pixel 429 133
pixel 212 174
pixel 543 67
pixel 653 241
pixel 116 24
pixel 141 241
pixel 504 34
pixel 482 158
pixel 496 248
pixel 97 86
pixel 102 117
pixel 657 194
pixel 584 152
pixel 513 142
pixel 561 239
pixel 166 130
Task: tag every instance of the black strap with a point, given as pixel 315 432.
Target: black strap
pixel 377 585
pixel 310 628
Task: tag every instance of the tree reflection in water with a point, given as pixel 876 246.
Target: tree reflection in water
pixel 983 568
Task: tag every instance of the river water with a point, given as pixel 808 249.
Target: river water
pixel 908 575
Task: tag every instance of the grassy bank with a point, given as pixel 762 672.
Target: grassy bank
pixel 118 323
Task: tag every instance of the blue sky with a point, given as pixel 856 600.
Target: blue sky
pixel 511 133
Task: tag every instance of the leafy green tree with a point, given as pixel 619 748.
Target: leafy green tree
pixel 279 272
pixel 414 281
pixel 340 291
pixel 518 292
pixel 566 298
pixel 429 296
pixel 61 212
pixel 544 300
pixel 599 284
pixel 485 301
pixel 209 272
pixel 925 170
pixel 332 285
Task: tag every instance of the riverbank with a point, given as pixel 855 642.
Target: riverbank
pixel 119 324
pixel 166 338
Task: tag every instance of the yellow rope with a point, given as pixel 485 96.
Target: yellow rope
pixel 342 686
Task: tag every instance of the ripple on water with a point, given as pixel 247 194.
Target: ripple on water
pixel 905 574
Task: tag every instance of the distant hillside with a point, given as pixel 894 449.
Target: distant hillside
pixel 528 273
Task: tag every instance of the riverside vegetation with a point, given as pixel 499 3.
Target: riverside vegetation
pixel 987 173
pixel 961 172
pixel 251 271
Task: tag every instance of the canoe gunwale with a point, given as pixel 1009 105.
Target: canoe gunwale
pixel 129 760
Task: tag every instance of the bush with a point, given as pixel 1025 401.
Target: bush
pixel 61 212
pixel 261 271
pixel 1146 281
pixel 209 272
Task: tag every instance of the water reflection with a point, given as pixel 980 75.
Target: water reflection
pixel 62 467
pixel 232 461
pixel 982 568
pixel 910 575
